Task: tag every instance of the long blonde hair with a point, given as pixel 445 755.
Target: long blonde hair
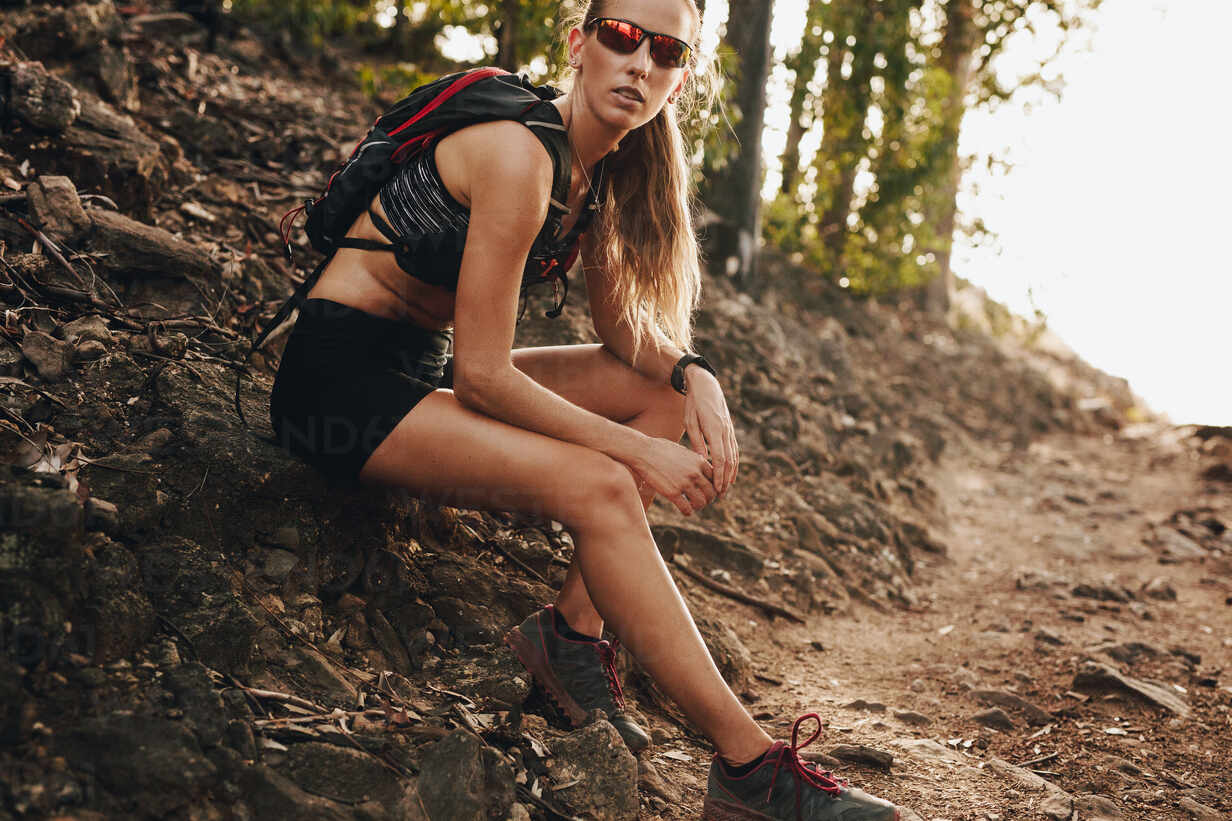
pixel 643 235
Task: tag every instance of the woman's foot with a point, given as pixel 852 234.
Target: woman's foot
pixel 781 786
pixel 578 672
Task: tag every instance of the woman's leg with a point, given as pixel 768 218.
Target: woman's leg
pixel 443 450
pixel 591 377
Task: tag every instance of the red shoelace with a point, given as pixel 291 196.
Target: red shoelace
pixel 607 655
pixel 789 757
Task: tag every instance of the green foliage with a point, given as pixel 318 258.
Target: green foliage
pixel 309 22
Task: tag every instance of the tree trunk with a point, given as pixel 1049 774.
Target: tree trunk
pixel 736 196
pixel 844 109
pixel 804 64
pixel 956 54
pixel 507 36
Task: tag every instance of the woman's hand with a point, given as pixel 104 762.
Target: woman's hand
pixel 676 473
pixel 709 426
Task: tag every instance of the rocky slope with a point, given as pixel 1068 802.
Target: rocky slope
pixel 196 625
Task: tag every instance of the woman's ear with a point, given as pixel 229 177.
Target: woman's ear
pixel 576 39
pixel 684 78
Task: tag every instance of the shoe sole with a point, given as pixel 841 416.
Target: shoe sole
pixel 535 662
pixel 716 809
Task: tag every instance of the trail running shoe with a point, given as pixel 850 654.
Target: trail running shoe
pixel 784 788
pixel 579 676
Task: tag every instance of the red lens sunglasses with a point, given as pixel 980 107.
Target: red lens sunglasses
pixel 624 37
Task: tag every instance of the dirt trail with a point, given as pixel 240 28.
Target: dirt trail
pixel 1006 611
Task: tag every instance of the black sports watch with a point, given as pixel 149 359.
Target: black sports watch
pixel 685 361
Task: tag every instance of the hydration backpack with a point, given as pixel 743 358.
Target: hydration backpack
pixel 427 114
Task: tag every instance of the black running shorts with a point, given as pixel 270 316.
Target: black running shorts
pixel 346 378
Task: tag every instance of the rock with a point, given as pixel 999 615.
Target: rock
pixel 650 781
pixel 1093 807
pixel 1057 804
pixel 88 351
pixel 1159 589
pixel 269 794
pixel 1177 547
pixel 135 248
pixel 102 515
pixel 930 751
pixel 461 779
pixel 341 773
pixel 153 762
pixel 1095 676
pixel 867 706
pixel 733 659
pixel 1199 811
pixel 860 754
pixel 1035 716
pixel 106 151
pixel 1102 592
pixel 1046 636
pixel 913 718
pixel 1128 652
pixel 709 547
pixel 40 99
pixel 602 771
pixel 57 211
pixel 994 718
pixel 195 694
pixel 51 357
pixel 10 358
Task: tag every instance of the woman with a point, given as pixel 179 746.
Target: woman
pixel 585 434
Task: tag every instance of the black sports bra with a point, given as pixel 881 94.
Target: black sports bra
pixel 428 229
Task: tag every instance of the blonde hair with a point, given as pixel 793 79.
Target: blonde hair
pixel 643 235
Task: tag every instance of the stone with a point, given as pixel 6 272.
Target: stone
pixel 1095 676
pixel 102 515
pixel 341 773
pixel 51 357
pixel 709 548
pixel 733 659
pixel 269 794
pixel 462 779
pixel 861 754
pixel 930 751
pixel 913 718
pixel 650 781
pixel 1159 589
pixel 1046 636
pixel 1200 811
pixel 1093 807
pixel 40 99
pixel 195 694
pixel 1056 804
pixel 1034 715
pixel 154 762
pixel 994 718
pixel 867 706
pixel 57 210
pixel 601 771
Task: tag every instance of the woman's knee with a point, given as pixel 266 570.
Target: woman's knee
pixel 602 489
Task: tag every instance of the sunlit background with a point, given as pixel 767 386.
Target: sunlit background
pixel 1113 219
pixel 1108 207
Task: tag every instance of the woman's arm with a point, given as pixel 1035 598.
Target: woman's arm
pixel 509 180
pixel 616 334
pixel 706 417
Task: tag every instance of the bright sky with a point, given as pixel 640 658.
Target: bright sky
pixel 1115 217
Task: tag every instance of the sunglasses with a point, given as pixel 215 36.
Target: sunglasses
pixel 624 37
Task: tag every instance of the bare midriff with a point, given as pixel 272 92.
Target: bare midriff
pixel 372 281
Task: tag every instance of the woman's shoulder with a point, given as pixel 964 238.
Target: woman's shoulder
pixel 499 151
